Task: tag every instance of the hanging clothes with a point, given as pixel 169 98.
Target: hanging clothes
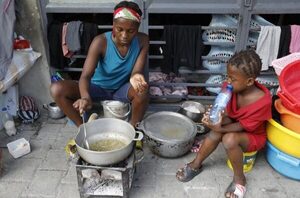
pixel 57 59
pixel 7 23
pixel 73 34
pixel 268 44
pixel 67 53
pixel 284 43
pixel 295 39
pixel 90 30
pixel 183 47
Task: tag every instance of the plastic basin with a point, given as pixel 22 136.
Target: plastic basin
pixel 284 164
pixel 281 63
pixel 19 147
pixel 284 139
pixel 290 87
pixel 289 119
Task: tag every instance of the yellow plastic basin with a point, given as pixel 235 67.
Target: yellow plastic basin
pixel 283 139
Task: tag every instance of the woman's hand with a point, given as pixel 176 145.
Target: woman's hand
pixel 82 105
pixel 138 83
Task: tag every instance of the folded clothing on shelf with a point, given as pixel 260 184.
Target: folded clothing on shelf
pixel 221 35
pixel 218 64
pixel 160 90
pixel 216 80
pixel 231 21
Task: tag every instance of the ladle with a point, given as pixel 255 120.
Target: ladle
pixel 84 128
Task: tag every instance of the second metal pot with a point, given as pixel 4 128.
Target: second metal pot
pixel 168 134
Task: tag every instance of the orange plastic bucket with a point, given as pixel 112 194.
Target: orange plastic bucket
pixel 288 118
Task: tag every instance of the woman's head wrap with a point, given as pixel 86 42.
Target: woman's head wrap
pixel 127 13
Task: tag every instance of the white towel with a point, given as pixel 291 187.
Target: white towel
pixel 268 44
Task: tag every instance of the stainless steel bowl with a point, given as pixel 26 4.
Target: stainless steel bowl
pixel 193 110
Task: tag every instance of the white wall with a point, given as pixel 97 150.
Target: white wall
pixel 36 81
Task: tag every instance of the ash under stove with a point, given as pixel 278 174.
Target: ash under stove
pixel 105 181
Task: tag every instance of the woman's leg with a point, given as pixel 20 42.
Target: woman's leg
pixel 65 93
pixel 139 105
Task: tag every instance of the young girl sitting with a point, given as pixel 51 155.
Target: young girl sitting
pixel 242 127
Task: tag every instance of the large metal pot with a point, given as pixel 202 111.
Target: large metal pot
pixel 106 128
pixel 168 134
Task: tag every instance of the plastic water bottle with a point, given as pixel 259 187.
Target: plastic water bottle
pixel 220 104
pixel 8 122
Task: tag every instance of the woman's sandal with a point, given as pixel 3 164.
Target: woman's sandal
pixel 187 173
pixel 237 189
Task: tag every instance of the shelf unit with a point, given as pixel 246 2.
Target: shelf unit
pixel 156 13
pixel 189 10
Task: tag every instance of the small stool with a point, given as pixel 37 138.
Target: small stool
pixel 248 160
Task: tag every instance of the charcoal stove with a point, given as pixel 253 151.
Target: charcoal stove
pixel 106 181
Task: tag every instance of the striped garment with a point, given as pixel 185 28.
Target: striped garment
pixel 27 104
pixel 28 116
pixel 28 110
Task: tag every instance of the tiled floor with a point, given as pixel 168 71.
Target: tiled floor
pixel 46 172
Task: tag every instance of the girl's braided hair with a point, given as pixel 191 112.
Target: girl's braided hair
pixel 248 61
pixel 129 4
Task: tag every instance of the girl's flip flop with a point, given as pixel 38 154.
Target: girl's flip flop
pixel 187 173
pixel 237 189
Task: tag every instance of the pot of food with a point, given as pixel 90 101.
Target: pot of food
pixel 168 134
pixel 110 141
pixel 54 111
pixel 193 110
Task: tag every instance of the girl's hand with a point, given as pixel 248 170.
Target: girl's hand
pixel 82 105
pixel 138 83
pixel 206 121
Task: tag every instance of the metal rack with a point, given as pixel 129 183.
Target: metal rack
pixel 202 9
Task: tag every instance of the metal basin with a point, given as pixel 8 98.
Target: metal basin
pixel 193 110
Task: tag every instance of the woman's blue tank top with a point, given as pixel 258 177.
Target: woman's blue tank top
pixel 114 70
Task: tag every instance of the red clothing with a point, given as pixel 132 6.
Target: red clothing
pixel 253 117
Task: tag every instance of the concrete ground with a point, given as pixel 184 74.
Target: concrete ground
pixel 46 172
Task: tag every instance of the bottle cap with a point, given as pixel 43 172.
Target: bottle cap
pixel 229 87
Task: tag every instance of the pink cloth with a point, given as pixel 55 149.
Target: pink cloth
pixel 67 53
pixel 295 39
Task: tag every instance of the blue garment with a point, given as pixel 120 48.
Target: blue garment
pixel 113 70
pixel 98 94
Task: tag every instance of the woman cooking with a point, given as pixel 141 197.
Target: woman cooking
pixel 113 69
